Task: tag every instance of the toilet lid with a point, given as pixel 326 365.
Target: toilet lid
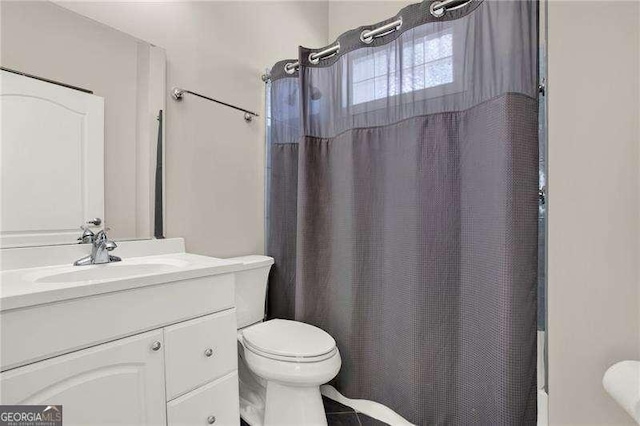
pixel 289 339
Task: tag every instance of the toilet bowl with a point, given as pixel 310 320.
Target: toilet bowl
pixel 281 363
pixel 293 359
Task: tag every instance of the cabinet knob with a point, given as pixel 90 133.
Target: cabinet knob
pixel 208 352
pixel 211 419
pixel 156 346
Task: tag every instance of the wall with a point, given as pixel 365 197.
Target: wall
pixel 594 113
pixel 45 40
pixel 215 161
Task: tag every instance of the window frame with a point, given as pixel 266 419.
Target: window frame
pixel 422 32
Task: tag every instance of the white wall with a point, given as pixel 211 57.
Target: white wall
pixel 215 161
pixel 593 204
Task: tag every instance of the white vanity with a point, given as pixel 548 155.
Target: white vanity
pixel 149 340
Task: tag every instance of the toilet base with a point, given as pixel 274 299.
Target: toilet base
pixel 293 406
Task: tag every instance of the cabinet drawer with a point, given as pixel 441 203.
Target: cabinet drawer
pixel 216 403
pixel 199 351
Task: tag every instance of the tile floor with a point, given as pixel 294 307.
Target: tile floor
pixel 341 415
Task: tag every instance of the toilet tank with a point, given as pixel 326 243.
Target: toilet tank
pixel 251 289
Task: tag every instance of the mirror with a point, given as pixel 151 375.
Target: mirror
pixel 82 132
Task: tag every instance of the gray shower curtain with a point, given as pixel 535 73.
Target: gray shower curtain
pixel 402 210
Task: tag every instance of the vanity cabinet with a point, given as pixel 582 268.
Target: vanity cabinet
pixel 166 354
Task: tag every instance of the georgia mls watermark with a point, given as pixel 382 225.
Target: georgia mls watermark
pixel 30 415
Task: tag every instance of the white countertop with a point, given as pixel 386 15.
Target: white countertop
pixel 20 288
pixel 40 275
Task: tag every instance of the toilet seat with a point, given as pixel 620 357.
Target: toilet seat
pixel 289 341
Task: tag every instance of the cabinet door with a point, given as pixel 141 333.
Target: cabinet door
pixel 120 382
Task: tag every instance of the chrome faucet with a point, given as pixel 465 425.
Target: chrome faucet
pixel 101 246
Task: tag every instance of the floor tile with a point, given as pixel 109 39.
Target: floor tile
pixel 332 406
pixel 369 421
pixel 343 419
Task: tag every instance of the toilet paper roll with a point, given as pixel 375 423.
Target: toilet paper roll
pixel 622 381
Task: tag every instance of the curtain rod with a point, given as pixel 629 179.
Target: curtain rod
pixel 437 9
pixel 177 93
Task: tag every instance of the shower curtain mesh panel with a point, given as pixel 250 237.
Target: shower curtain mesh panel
pixel 402 210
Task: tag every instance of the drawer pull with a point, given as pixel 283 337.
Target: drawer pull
pixel 156 346
pixel 208 353
pixel 211 419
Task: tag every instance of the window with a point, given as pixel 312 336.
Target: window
pixel 426 61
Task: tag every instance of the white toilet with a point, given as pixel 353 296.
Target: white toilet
pixel 281 363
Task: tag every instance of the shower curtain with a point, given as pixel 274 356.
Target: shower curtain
pixel 402 210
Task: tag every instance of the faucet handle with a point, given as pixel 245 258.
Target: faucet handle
pixel 87 235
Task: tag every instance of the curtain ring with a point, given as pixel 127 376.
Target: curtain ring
pixel 439 12
pixel 329 52
pixel 312 59
pixel 366 37
pixel 289 68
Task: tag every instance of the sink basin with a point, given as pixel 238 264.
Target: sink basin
pixel 37 285
pixel 105 272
